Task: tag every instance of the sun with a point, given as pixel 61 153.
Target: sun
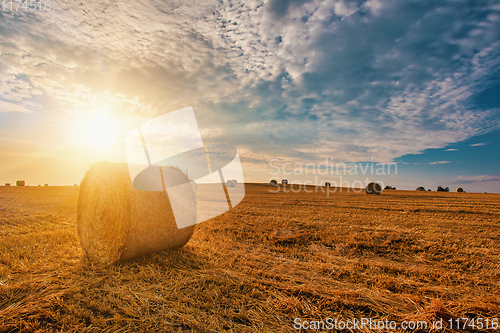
pixel 96 131
pixel 100 131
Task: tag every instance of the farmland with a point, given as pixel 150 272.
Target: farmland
pixel 277 256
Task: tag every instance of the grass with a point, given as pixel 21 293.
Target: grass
pixel 403 255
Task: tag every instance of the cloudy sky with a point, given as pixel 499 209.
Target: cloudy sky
pixel 286 82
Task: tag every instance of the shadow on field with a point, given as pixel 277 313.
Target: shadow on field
pixel 135 293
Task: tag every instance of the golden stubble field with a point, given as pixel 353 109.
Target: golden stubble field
pixel 403 255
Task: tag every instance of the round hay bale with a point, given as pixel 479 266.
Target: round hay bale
pixel 460 190
pixel 284 181
pixel 7 184
pixel 20 183
pixel 328 184
pixel 273 182
pixel 231 183
pixel 373 188
pixel 116 221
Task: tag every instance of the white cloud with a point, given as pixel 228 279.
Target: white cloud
pixel 375 6
pixel 478 144
pixel 344 9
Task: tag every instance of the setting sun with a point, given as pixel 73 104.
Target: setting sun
pixel 97 131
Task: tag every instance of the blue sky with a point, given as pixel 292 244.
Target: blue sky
pixel 412 82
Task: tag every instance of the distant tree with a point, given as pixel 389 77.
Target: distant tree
pixel 443 189
pixel 421 188
pixel 389 188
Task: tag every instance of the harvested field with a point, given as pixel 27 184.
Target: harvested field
pixel 402 255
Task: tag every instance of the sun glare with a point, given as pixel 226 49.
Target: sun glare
pixel 101 131
pixel 97 131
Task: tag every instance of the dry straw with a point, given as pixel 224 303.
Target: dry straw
pixel 373 188
pixel 117 222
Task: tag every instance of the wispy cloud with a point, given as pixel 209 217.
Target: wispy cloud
pixel 478 179
pixel 440 162
pixel 451 149
pixel 478 144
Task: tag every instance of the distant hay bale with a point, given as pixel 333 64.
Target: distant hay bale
pixel 273 182
pixel 116 221
pixel 328 184
pixel 231 183
pixel 20 183
pixel 460 190
pixel 75 184
pixel 373 188
pixel 421 188
pixel 7 184
pixel 284 181
pixel 45 184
